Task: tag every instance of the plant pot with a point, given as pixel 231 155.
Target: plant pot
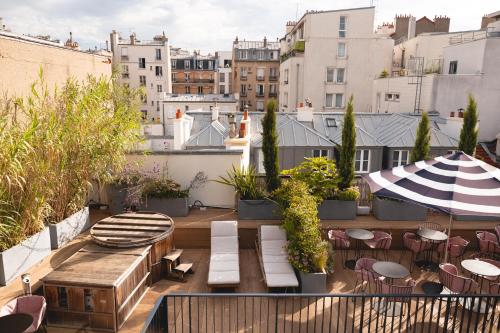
pixel 337 210
pixel 171 207
pixel 476 218
pixel 258 210
pixel 117 195
pixel 312 283
pixel 392 210
pixel 18 259
pixel 69 228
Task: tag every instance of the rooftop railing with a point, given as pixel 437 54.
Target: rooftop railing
pixel 323 313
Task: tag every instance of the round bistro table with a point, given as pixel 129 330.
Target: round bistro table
pixel 434 237
pixel 479 269
pixel 16 322
pixel 358 235
pixel 390 270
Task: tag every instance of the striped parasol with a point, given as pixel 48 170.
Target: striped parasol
pixel 457 184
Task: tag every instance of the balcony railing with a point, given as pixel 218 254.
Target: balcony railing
pixel 243 93
pixel 273 94
pixel 124 57
pixel 273 78
pixel 125 75
pixel 260 78
pixel 259 93
pixel 323 313
pixel 243 78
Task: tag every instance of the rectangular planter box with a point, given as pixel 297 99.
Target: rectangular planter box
pixel 312 283
pixel 258 210
pixel 337 210
pixel 18 259
pixel 69 228
pixel 391 210
pixel 171 207
pixel 116 198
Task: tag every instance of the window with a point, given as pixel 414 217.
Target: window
pixel 329 100
pixel 286 76
pixel 158 54
pixel 200 90
pixel 243 90
pixel 144 114
pixel 159 70
pixel 342 26
pixel 273 90
pixel 260 105
pixel 392 97
pixel 144 98
pixel 260 73
pixel 243 72
pixel 159 88
pixel 142 62
pixel 200 64
pixel 187 89
pixel 174 64
pixel 260 90
pixel 222 77
pixel 320 153
pixel 399 157
pixel 124 52
pixel 174 77
pixel 210 65
pixel 331 122
pixel 453 67
pixel 285 97
pixel 142 80
pixel 186 108
pixel 341 50
pixel 339 99
pixel 329 74
pixel 273 72
pixel 362 160
pixel 340 75
pixel 243 54
pixel 187 64
pixel 222 89
pixel 186 77
pixel 125 68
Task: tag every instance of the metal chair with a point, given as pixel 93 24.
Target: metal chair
pixel 456 284
pixel 364 273
pixel 339 241
pixel 456 248
pixel 411 242
pixel 487 243
pixel 33 305
pixel 432 226
pixel 497 231
pixel 394 306
pixel 381 241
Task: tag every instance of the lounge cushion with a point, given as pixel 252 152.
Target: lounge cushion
pixel 226 244
pixel 281 280
pixel 275 247
pixel 224 268
pixel 272 232
pixel 224 228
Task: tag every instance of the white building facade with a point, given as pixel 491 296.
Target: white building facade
pixel 328 56
pixel 224 78
pixel 144 64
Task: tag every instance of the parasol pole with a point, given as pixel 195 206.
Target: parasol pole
pixel 448 239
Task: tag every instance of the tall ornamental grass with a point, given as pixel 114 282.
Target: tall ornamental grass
pixel 54 144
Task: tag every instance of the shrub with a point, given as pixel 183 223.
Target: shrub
pixel 468 134
pixel 270 146
pixel 307 252
pixel 422 146
pixel 348 148
pixel 320 175
pixel 383 74
pixel 244 183
pixel 349 194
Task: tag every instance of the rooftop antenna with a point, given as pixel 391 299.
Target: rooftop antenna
pixel 296 11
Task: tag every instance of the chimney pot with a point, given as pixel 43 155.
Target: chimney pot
pixel 178 114
pixel 242 133
pixel 245 114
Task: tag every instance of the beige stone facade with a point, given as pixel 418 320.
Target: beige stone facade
pixel 22 57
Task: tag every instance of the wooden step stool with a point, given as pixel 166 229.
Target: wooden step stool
pixel 175 269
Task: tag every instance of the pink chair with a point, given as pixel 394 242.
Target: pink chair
pixel 449 278
pixel 456 247
pixel 488 243
pixel 497 231
pixel 381 241
pixel 339 241
pixel 412 243
pixel 364 273
pixel 494 263
pixel 33 305
pixel 403 290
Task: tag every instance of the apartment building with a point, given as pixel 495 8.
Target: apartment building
pixel 407 25
pixel 328 56
pixel 224 78
pixel 144 63
pixel 255 72
pixel 193 73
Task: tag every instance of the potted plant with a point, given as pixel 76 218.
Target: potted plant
pixel 308 253
pixel 388 209
pixel 252 202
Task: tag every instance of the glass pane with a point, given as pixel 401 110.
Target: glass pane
pixel 341 50
pixel 404 158
pixel 365 165
pixel 338 100
pixel 329 75
pixel 356 166
pixel 340 75
pixel 316 153
pixel 358 154
pixel 329 100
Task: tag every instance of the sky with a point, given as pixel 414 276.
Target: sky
pixel 208 25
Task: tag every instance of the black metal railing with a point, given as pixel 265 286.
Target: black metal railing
pixel 323 313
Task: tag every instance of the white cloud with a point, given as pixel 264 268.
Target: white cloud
pixel 207 25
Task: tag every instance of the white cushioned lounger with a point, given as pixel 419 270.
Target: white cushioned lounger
pixel 278 272
pixel 224 267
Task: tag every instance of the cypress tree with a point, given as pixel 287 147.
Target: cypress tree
pixel 348 148
pixel 270 146
pixel 422 146
pixel 468 134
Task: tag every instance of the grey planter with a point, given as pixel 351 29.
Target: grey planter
pixel 69 228
pixel 391 210
pixel 337 210
pixel 258 210
pixel 312 283
pixel 171 207
pixel 18 259
pixel 116 198
pixel 476 218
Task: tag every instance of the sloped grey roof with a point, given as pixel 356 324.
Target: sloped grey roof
pixel 212 136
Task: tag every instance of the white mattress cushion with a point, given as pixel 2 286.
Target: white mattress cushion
pixel 272 232
pixel 274 247
pixel 281 280
pixel 269 258
pixel 224 228
pixel 224 244
pixel 223 277
pixel 278 268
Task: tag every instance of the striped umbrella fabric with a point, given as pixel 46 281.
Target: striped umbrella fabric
pixel 457 184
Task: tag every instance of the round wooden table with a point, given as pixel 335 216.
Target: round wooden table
pixel 358 235
pixel 390 270
pixel 16 323
pixel 479 269
pixel 434 237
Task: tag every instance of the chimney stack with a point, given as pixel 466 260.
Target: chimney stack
pixel 132 39
pixel 265 41
pixel 215 113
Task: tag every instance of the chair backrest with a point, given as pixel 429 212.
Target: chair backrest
pixel 487 241
pixel 457 246
pixel 408 289
pixel 338 239
pixel 33 305
pixel 412 243
pixel 448 276
pixel 495 288
pixel 432 226
pixel 497 231
pixel 364 269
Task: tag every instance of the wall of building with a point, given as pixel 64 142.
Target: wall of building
pixel 184 165
pixel 21 60
pixel 193 81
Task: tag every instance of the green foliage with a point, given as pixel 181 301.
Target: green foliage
pixel 348 148
pixel 320 175
pixel 349 194
pixel 307 252
pixel 54 145
pixel 468 134
pixel 244 182
pixel 270 146
pixel 383 74
pixel 299 46
pixel 422 147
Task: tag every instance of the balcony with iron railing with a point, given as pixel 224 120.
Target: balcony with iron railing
pixel 273 77
pixel 259 94
pixel 273 94
pixel 297 49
